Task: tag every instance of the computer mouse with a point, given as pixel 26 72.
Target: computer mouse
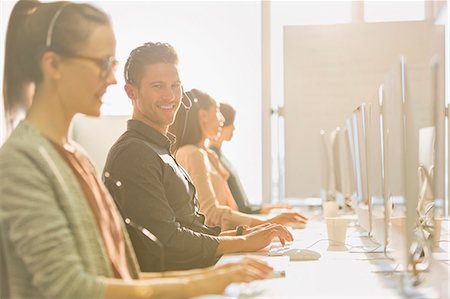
pixel 302 254
pixel 276 274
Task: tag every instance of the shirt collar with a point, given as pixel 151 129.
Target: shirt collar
pixel 151 134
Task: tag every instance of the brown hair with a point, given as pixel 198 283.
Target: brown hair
pixel 33 29
pixel 228 112
pixel 188 131
pixel 148 53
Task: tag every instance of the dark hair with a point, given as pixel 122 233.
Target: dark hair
pixel 228 112
pixel 33 29
pixel 188 131
pixel 148 53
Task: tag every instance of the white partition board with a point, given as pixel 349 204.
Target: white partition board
pixel 329 70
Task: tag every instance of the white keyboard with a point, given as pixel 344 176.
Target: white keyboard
pixel 279 250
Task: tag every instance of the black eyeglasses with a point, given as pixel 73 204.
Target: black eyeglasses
pixel 106 65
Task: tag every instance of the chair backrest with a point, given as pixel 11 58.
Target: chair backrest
pixel 97 134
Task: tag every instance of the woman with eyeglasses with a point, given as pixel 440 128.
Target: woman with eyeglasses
pixel 61 235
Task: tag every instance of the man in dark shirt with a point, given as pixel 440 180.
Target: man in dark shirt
pixel 154 191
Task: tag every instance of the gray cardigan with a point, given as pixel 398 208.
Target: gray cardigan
pixel 50 240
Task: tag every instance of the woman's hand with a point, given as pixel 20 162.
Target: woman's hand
pixel 216 280
pixel 267 208
pixel 288 218
pixel 255 228
pixel 246 229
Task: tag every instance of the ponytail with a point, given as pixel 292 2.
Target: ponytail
pixel 15 80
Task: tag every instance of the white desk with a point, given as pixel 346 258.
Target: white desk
pixel 337 274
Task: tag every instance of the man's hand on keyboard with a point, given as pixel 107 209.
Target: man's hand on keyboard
pixel 262 237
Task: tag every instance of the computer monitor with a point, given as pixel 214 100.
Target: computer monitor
pixel 361 204
pixel 352 126
pixel 335 139
pixel 439 123
pixel 385 187
pixel 337 170
pixel 425 103
pixel 344 172
pixel 350 148
pixel 340 168
pixel 411 84
pixel 439 271
pixel 426 172
pixel 328 173
pixel 377 161
pixel 391 147
pixel 432 213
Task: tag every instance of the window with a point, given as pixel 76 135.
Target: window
pixel 394 11
pixel 219 44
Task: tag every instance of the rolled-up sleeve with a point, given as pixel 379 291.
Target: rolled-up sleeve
pixel 38 232
pixel 143 200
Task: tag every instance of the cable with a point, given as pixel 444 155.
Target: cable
pixel 141 231
pixel 321 240
pixel 189 106
pixel 186 116
pixel 350 247
pixel 153 238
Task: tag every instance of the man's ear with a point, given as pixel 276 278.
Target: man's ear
pixel 51 65
pixel 130 91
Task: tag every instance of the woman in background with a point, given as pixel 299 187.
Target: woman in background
pixel 61 235
pixel 233 181
pixel 204 121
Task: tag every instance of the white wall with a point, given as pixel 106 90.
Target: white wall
pixel 219 44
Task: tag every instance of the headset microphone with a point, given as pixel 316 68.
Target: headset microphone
pixel 185 95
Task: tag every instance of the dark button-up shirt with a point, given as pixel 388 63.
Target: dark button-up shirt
pixel 157 194
pixel 235 185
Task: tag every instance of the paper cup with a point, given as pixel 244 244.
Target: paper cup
pixel 337 230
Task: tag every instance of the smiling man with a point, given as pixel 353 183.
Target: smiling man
pixel 155 192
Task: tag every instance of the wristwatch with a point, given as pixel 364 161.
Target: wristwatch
pixel 239 230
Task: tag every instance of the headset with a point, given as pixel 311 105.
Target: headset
pixel 144 234
pixel 186 95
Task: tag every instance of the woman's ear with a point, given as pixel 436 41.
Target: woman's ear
pixel 202 116
pixel 51 65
